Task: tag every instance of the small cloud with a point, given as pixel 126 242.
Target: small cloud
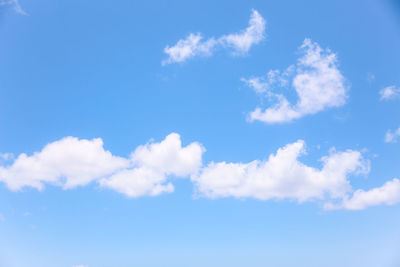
pixel 392 136
pixel 370 77
pixel 253 34
pixel 194 44
pixel 390 92
pixel 14 4
pixel 6 156
pixel 264 84
pixel 2 219
pixel 189 47
pixel 27 213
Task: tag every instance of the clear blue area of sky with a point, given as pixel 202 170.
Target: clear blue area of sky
pixel 93 69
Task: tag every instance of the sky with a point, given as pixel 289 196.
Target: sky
pixel 199 133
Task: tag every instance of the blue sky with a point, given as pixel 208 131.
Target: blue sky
pixel 204 133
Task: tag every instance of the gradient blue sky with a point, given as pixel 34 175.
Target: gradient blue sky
pixel 93 69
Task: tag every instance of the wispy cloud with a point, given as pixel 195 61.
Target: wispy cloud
pixel 6 156
pixel 316 79
pixel 14 4
pixel 392 136
pixel 390 92
pixel 188 48
pixel 265 84
pixel 242 42
pixel 194 44
pixel 370 77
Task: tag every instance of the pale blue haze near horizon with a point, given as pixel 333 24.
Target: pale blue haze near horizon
pixel 93 69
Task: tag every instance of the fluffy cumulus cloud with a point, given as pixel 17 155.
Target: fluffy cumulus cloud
pixel 69 162
pixel 72 162
pixel 387 194
pixel 282 176
pixel 152 164
pixel 392 136
pixel 315 78
pixel 390 92
pixel 195 45
pixel 147 171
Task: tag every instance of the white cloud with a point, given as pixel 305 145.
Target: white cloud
pixel 390 92
pixel 265 84
pixel 2 218
pixel 316 79
pixel 188 48
pixel 153 163
pixel 282 176
pixel 138 182
pixel 169 156
pixel 69 162
pixel 392 136
pixel 15 4
pixel 194 45
pixel 253 34
pixel 257 84
pixel 72 162
pixel 387 194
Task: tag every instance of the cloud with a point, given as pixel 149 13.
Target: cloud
pixel 149 169
pixel 392 136
pixel 6 156
pixel 80 266
pixel 2 219
pixel 316 80
pixel 188 48
pixel 15 4
pixel 153 163
pixel 253 34
pixel 69 162
pixel 72 162
pixel 387 194
pixel 264 85
pixel 195 45
pixel 370 77
pixel 282 176
pixel 390 92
